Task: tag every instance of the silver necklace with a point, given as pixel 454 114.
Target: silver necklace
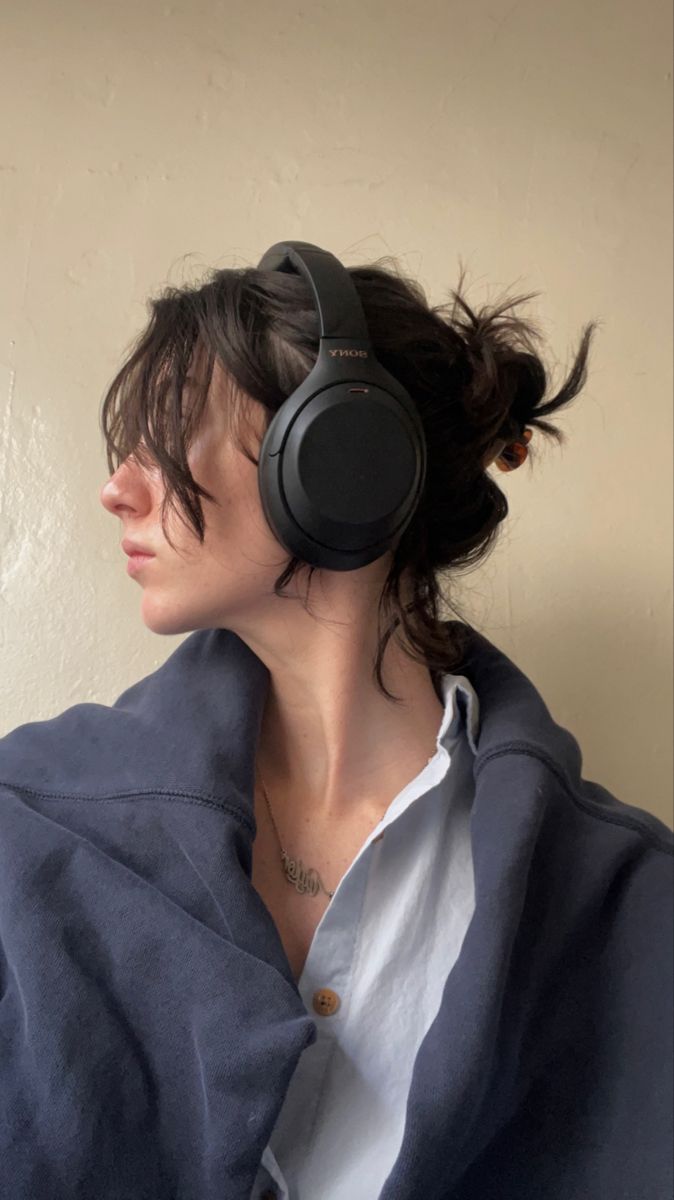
pixel 304 879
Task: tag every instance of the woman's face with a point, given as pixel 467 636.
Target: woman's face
pixel 228 580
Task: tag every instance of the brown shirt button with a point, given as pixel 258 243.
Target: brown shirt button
pixel 268 1194
pixel 377 839
pixel 326 1002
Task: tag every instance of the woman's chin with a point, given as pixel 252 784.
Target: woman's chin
pixel 168 621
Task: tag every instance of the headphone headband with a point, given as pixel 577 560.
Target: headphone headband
pixel 338 303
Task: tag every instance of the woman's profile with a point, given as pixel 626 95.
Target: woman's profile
pixel 324 907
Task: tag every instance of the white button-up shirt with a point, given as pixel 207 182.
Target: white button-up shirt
pixel 385 945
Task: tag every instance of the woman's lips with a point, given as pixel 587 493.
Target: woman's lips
pixel 136 561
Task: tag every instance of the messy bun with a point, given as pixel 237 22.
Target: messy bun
pixel 476 378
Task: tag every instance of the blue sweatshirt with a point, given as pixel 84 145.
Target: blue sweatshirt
pixel 149 1021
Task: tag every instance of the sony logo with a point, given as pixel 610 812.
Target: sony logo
pixel 349 353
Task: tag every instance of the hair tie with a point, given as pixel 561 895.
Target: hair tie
pixel 513 455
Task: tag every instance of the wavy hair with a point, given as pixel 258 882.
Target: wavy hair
pixel 475 376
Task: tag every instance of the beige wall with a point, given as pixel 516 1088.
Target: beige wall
pixel 532 140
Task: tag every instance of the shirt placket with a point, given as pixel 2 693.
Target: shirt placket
pixel 325 986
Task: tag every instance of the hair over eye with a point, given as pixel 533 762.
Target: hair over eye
pixel 477 376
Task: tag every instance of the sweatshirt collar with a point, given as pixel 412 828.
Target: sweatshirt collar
pixel 191 727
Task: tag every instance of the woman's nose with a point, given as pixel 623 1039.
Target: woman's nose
pixel 123 490
pixel 108 494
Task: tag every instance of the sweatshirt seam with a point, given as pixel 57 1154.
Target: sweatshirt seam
pixel 184 796
pixel 587 806
pixel 522 748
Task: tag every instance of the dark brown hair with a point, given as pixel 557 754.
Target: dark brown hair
pixel 475 376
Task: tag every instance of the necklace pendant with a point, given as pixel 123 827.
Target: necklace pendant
pixel 306 880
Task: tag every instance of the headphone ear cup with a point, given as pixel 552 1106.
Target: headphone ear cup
pixel 343 463
pixel 346 477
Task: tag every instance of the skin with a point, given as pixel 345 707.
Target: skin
pixel 329 740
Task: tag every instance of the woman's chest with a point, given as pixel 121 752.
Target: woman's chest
pixel 297 913
pixel 296 916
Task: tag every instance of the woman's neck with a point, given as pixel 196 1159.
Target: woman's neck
pixel 339 744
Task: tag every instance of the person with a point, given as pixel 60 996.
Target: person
pixel 323 908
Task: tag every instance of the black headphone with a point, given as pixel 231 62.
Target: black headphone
pixel 343 462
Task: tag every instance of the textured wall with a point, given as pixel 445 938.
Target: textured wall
pixel 142 143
